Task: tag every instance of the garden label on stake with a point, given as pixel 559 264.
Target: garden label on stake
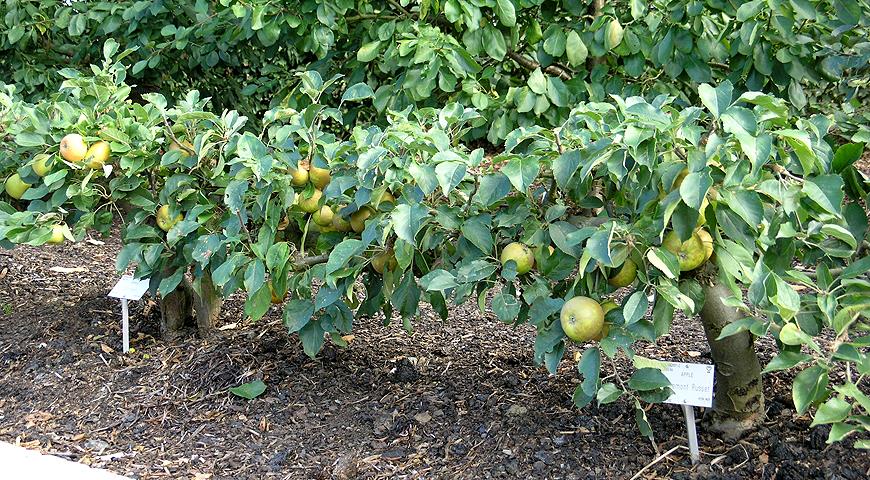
pixel 128 288
pixel 692 384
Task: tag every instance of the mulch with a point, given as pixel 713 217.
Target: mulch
pixel 455 399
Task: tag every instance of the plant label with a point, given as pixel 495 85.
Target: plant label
pixel 692 383
pixel 129 288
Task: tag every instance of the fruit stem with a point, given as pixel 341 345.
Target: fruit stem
pixel 304 234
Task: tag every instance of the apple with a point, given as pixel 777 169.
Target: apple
pixel 323 217
pixel 519 253
pixel 625 276
pixel 385 261
pixel 163 221
pixel 73 147
pixel 15 187
pixel 319 177
pixel 299 178
pixel 690 253
pixel 707 240
pixel 339 223
pixel 185 150
pixel 386 197
pixel 358 219
pixel 582 319
pixel 57 234
pixel 40 165
pixel 97 155
pixel 312 203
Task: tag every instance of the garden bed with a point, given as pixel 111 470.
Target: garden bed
pixel 457 399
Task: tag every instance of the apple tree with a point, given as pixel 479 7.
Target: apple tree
pixel 733 210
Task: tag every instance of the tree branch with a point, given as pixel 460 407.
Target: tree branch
pixel 302 263
pixel 530 64
pixel 584 221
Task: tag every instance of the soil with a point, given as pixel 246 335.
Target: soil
pixel 455 399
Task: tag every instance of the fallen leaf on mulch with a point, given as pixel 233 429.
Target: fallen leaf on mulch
pixel 69 269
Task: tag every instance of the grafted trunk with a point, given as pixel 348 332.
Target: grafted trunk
pixel 738 403
pixel 208 305
pixel 176 311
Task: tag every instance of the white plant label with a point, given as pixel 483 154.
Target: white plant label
pixel 129 288
pixel 692 383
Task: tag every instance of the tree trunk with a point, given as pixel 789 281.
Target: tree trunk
pixel 208 305
pixel 738 403
pixel 175 312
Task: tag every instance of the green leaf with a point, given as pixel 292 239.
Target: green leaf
pixel 742 325
pixel 538 82
pixel 258 304
pixel 312 338
pixel 826 191
pixel 450 174
pixel 608 393
pixel 834 410
pixel 522 171
pixel 749 10
pixel 438 280
pixel 505 306
pixel 368 52
pixel 342 253
pixel 635 307
pixel 642 421
pixel 665 261
pixel 648 379
pixel 565 166
pixel 506 12
pixel 785 360
pixel 717 99
pixel 663 316
pixel 839 431
pixel 478 230
pixel 357 92
pixel 555 42
pixel 576 49
pixel 846 155
pixel 590 367
pixel 250 390
pixel 408 220
pixel 808 387
pixel 297 314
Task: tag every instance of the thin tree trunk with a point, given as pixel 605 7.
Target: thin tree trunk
pixel 597 11
pixel 208 305
pixel 738 403
pixel 175 312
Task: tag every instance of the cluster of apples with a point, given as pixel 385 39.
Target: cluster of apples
pixel 73 149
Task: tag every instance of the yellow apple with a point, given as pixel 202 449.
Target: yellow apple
pixel 73 147
pixel 319 177
pixel 312 203
pixel 323 217
pixel 57 234
pixel 97 155
pixel 582 319
pixel 40 164
pixel 384 261
pixel 358 219
pixel 15 187
pixel 519 253
pixel 163 221
pixel 299 178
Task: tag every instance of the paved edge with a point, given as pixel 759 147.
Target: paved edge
pixel 21 463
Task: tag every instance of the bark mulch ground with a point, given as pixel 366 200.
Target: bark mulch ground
pixel 457 399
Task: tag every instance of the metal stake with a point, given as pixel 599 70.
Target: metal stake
pixel 689 412
pixel 125 324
